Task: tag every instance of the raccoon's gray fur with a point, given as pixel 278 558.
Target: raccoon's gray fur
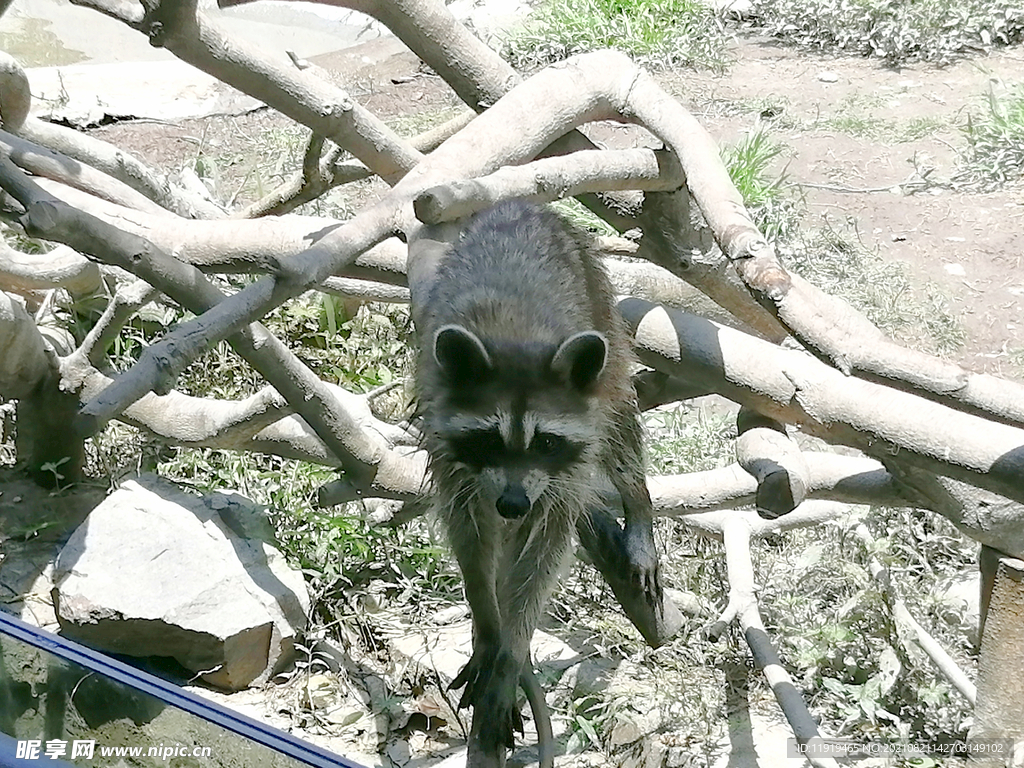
pixel 523 393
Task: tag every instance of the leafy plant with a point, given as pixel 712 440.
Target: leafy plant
pixel 837 635
pixel 53 467
pixel 683 439
pixel 586 723
pixel 656 32
pixel 896 31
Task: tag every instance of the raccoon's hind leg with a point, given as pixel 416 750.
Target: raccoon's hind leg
pixel 624 463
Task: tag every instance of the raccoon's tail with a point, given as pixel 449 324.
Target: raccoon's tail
pixel 541 716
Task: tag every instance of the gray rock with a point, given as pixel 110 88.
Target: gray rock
pixel 154 571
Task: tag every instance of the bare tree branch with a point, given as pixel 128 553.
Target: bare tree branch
pixel 552 178
pixel 797 389
pixel 736 535
pixel 596 98
pixel 190 35
pixel 838 333
pixel 476 149
pixel 853 480
pixel 454 157
pixel 807 515
pixel 316 178
pixel 15 94
pixel 127 300
pixel 654 388
pixel 130 12
pixel 481 77
pixel 26 362
pixel 986 517
pixel 363 457
pixel 262 244
pixel 44 162
pixel 775 460
pixel 120 165
pixel 223 245
pixel 478 75
pixel 365 290
pixel 261 423
pixel 60 268
pixel 677 238
pixel 191 421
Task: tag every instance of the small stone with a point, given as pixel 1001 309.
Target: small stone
pixel 321 690
pixel 827 76
pixel 450 615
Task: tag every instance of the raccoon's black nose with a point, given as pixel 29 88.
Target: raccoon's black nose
pixel 513 503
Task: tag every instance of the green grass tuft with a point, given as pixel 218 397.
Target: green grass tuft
pixel 995 141
pixel 751 163
pixel 654 32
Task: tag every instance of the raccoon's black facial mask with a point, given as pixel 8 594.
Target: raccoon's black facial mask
pixel 486 448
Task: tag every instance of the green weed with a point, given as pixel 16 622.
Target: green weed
pixel 751 163
pixel 995 140
pixel 655 32
pixel 837 636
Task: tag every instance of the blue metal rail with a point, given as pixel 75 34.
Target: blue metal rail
pixel 272 738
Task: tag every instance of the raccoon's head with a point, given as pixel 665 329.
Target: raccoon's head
pixel 518 416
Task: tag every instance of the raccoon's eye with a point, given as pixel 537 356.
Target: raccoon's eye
pixel 548 445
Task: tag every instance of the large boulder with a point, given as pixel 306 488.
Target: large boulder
pixel 155 571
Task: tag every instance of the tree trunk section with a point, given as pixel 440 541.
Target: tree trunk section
pixel 999 713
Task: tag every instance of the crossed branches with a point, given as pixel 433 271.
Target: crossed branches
pixel 932 435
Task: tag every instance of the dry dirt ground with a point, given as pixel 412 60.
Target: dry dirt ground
pixel 837 118
pixel 840 137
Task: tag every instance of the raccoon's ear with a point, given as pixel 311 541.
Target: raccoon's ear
pixel 581 358
pixel 460 354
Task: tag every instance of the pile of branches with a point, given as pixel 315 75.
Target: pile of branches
pixel 930 434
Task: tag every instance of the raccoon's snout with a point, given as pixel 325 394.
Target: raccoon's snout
pixel 513 502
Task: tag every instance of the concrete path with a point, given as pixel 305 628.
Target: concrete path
pixel 84 66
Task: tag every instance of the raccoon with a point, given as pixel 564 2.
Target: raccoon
pixel 523 394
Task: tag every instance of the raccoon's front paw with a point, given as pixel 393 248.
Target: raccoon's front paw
pixel 644 565
pixel 475 675
pixel 491 677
